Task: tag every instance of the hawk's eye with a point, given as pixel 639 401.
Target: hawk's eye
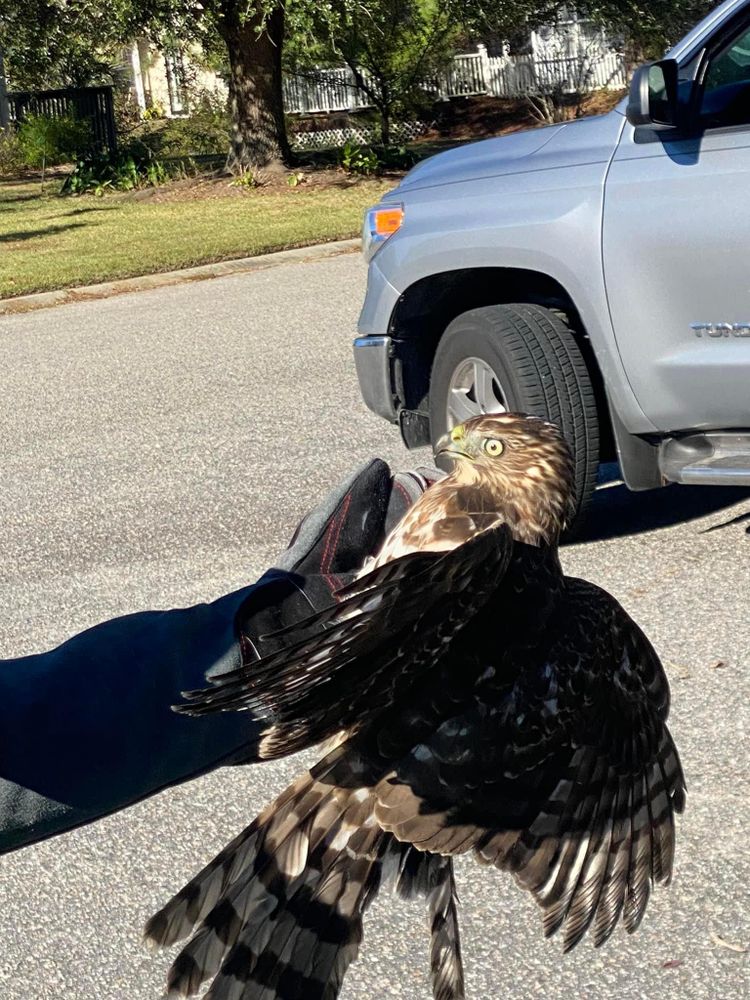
pixel 493 447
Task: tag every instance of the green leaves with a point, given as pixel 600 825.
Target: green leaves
pixel 358 159
pixel 11 154
pixel 101 172
pixel 648 27
pixel 391 46
pixel 48 141
pixel 57 43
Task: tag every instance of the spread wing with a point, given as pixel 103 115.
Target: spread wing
pixel 388 627
pixel 567 776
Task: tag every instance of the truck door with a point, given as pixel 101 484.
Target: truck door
pixel 676 248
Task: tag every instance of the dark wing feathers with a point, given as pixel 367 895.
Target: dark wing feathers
pixel 537 741
pixel 388 627
pixel 568 778
pixel 555 764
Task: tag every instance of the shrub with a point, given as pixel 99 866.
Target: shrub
pixel 48 141
pixel 203 132
pixel 358 159
pixel 397 157
pixel 245 179
pixel 200 134
pixel 101 172
pixel 367 160
pixel 94 174
pixel 11 153
pixel 126 110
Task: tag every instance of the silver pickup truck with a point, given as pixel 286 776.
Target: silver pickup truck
pixel 595 272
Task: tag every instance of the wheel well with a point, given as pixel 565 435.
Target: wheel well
pixel 427 307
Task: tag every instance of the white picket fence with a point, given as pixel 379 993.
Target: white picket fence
pixel 518 76
pixel 469 74
pixel 323 90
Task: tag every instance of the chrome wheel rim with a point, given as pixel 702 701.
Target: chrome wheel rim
pixel 474 388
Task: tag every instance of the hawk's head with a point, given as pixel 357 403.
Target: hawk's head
pixel 525 465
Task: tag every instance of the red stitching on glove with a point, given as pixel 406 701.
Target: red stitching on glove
pixel 329 533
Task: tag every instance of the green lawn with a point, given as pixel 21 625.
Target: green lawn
pixel 54 242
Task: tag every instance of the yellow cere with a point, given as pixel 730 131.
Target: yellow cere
pixel 457 433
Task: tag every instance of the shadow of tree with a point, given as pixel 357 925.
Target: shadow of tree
pixel 31 234
pixel 93 208
pixel 8 202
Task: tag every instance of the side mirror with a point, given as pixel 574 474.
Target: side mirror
pixel 653 94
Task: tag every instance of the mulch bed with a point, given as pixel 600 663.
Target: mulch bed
pixel 220 185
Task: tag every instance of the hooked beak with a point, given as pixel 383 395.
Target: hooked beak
pixel 447 446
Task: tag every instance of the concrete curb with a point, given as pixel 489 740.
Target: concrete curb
pixel 242 265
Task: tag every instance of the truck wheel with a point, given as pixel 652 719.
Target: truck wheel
pixel 523 358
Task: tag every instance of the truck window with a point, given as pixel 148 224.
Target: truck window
pixel 726 88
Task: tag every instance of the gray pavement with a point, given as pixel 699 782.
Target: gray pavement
pixel 157 450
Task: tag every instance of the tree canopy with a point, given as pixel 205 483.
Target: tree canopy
pixel 393 46
pixel 649 26
pixel 54 43
pixel 49 43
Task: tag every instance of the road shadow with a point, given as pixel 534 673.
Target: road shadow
pixel 32 234
pixel 616 512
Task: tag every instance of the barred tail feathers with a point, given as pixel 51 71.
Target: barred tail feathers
pixel 278 913
pixel 282 904
pixel 445 941
pixel 423 874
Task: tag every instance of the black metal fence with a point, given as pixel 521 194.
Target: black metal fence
pixel 92 104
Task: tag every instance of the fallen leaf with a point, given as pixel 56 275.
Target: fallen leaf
pixel 741 949
pixel 680 670
pixel 672 963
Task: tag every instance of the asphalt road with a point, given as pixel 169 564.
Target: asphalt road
pixel 157 450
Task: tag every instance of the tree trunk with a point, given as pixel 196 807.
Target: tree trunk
pixel 258 137
pixel 385 125
pixel 385 108
pixel 4 106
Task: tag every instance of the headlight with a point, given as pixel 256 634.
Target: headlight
pixel 380 223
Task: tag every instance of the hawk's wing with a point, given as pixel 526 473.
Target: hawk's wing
pixel 388 627
pixel 569 777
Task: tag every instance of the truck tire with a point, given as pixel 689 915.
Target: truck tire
pixel 524 358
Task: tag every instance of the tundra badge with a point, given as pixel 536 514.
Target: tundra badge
pixel 721 329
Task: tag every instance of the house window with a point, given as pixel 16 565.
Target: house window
pixel 176 82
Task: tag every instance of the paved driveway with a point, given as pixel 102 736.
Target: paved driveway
pixel 157 450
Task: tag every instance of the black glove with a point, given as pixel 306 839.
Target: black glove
pixel 327 548
pixel 87 728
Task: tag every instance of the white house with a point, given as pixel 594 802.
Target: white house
pixel 571 54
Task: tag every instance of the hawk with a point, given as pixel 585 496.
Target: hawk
pixel 478 702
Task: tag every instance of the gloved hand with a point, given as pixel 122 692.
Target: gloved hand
pixel 87 728
pixel 327 548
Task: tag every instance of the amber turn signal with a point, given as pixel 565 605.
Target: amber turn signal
pixel 385 221
pixel 381 222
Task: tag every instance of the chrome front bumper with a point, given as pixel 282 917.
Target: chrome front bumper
pixel 372 359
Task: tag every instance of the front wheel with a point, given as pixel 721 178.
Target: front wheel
pixel 520 358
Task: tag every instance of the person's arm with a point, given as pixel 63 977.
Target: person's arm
pixel 87 728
